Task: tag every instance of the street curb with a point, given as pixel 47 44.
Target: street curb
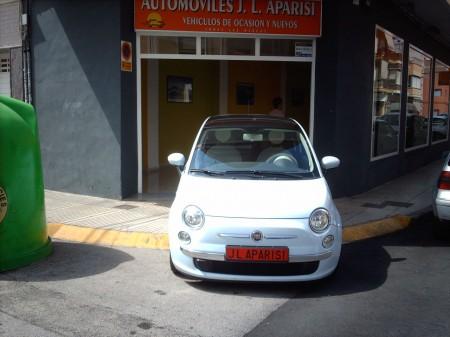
pixel 109 237
pixel 376 228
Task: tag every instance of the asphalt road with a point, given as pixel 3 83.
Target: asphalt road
pixel 397 285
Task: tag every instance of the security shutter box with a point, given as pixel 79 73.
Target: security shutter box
pixel 10 34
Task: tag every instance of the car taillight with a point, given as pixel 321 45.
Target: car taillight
pixel 444 180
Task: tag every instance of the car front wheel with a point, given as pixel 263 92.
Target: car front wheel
pixel 441 229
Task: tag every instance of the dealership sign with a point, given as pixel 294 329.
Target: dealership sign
pixel 288 17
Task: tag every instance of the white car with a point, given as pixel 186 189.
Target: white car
pixel 440 127
pixel 441 199
pixel 253 205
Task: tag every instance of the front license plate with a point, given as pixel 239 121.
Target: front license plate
pixel 260 254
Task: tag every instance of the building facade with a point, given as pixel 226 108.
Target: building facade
pixel 14 50
pixel 120 84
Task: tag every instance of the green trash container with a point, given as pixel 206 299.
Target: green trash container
pixel 23 228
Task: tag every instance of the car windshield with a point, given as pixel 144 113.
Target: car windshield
pixel 253 152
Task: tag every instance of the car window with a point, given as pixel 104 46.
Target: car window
pixel 439 121
pixel 264 152
pixel 392 119
pixel 384 129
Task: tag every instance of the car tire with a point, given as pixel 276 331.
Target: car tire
pixel 441 229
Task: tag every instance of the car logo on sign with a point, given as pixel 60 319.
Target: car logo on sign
pixel 257 236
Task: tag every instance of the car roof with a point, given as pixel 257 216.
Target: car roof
pixel 263 121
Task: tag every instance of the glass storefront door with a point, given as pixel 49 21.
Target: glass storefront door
pixel 183 80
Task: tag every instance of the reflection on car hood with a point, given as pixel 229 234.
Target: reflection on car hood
pixel 253 198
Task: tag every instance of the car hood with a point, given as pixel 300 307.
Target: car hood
pixel 254 198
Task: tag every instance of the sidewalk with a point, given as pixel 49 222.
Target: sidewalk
pixel 123 215
pixel 406 196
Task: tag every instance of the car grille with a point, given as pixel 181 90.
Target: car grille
pixel 256 268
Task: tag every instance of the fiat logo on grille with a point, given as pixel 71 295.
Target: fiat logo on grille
pixel 257 236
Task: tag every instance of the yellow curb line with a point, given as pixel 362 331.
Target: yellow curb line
pixel 376 228
pixel 109 237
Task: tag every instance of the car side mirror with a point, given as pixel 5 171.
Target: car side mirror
pixel 330 162
pixel 177 160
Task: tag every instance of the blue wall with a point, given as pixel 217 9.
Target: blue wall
pixel 86 105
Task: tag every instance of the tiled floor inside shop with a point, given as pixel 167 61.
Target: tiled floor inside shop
pixel 160 183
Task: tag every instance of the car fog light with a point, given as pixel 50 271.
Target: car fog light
pixel 327 241
pixel 184 237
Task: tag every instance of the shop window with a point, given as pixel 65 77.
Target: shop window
pixel 387 93
pixel 167 45
pixel 212 47
pixel 5 76
pixel 418 101
pixel 4 63
pixel 292 48
pixel 415 82
pixel 441 102
pixel 384 69
pixel 227 46
pixel 396 76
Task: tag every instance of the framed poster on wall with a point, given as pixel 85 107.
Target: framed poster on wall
pixel 179 89
pixel 245 94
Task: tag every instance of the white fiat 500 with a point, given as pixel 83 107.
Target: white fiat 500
pixel 253 204
pixel 441 201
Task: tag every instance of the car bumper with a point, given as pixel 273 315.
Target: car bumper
pixel 205 255
pixel 221 257
pixel 441 209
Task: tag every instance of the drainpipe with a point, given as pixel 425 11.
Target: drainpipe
pixel 26 49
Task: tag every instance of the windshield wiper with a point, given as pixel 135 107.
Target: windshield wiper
pixel 207 172
pixel 257 173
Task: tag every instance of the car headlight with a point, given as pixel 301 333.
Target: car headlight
pixel 193 217
pixel 319 220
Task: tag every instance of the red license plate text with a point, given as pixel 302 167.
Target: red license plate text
pixel 260 254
